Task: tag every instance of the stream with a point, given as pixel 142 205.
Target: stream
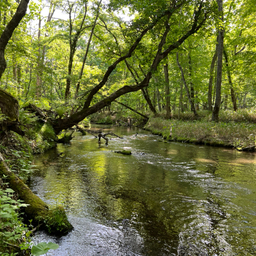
pixel 164 199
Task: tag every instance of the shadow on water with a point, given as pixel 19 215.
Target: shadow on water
pixel 164 199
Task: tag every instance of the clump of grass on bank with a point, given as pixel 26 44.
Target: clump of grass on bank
pixel 231 134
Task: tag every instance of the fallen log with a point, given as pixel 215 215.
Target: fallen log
pixel 54 221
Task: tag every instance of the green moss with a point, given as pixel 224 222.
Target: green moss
pixel 57 222
pixel 124 152
pixel 48 132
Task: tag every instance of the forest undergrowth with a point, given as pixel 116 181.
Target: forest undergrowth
pixel 234 129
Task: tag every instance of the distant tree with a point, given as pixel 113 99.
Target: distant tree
pixel 215 113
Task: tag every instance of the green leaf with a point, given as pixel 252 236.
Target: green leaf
pixel 43 248
pixel 9 190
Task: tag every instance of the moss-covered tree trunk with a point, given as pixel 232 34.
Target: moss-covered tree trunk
pixel 9 107
pixel 54 221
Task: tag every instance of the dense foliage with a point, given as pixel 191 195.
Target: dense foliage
pixel 168 58
pixel 61 52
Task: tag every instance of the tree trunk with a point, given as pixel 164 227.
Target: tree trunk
pixel 192 90
pixel 232 91
pixel 42 50
pixel 39 61
pixel 148 100
pixel 136 77
pixel 158 99
pixel 73 39
pixel 87 50
pixel 214 58
pixel 9 106
pixel 191 102
pixel 8 31
pixel 215 113
pixel 181 108
pixel 167 92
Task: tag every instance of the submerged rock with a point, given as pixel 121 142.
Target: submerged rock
pixel 124 152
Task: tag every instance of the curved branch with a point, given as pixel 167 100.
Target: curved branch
pixel 112 67
pixel 8 31
pixel 61 124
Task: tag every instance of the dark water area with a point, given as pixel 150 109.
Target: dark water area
pixel 164 199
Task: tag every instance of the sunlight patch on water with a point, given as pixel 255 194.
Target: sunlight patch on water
pixel 244 161
pixel 204 160
pixel 164 199
pixel 172 152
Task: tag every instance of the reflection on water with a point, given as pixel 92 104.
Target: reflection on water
pixel 164 199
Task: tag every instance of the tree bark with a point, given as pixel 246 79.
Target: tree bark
pixel 192 90
pixel 232 91
pixel 181 107
pixel 39 61
pixel 167 92
pixel 144 90
pixel 42 50
pixel 8 31
pixel 214 58
pixel 191 102
pixel 215 113
pixel 87 50
pixel 158 99
pixel 73 39
pixel 9 106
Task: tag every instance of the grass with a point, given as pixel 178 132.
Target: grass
pixel 240 135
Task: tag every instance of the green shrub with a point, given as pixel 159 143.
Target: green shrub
pixel 14 235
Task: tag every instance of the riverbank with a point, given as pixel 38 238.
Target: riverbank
pixel 238 135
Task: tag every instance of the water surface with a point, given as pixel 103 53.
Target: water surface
pixel 164 199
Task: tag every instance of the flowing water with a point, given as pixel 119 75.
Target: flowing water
pixel 164 199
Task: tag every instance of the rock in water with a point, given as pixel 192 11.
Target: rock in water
pixel 124 152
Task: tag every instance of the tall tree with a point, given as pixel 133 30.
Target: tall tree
pixel 189 92
pixel 212 68
pixel 164 47
pixel 215 113
pixel 232 91
pixel 75 31
pixel 167 92
pixel 88 47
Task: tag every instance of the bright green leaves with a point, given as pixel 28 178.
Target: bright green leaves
pixel 12 230
pixel 43 248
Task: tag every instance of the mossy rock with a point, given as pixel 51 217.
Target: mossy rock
pixel 48 132
pixel 56 222
pixel 124 152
